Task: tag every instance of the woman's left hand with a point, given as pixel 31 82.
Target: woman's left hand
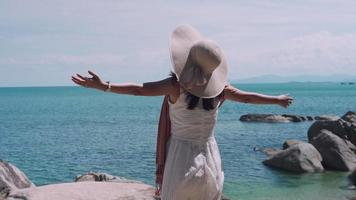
pixel 284 100
pixel 89 82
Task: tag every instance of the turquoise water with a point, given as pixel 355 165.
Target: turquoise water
pixel 56 133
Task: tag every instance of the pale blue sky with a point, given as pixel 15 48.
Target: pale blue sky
pixel 44 42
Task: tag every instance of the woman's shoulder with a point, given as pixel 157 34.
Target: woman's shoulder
pixel 174 89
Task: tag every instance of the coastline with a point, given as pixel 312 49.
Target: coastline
pixel 67 131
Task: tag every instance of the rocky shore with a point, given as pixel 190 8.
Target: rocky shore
pixel 14 185
pixel 330 146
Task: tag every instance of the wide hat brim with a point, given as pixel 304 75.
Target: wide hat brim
pixel 181 41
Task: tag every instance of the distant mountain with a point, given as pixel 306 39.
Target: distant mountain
pixel 298 78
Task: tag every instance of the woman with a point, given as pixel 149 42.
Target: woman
pixel 195 91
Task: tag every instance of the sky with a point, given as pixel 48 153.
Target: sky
pixel 43 43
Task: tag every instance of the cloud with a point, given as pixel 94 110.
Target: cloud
pixel 52 59
pixel 128 36
pixel 321 52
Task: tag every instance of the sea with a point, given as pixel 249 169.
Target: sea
pixel 54 134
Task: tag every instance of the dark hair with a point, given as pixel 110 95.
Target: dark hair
pixel 192 100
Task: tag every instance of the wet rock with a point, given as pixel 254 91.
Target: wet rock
pixel 350 117
pixel 271 118
pixel 352 177
pixel 268 151
pixel 294 118
pixel 299 158
pixel 310 118
pixel 11 178
pixel 350 125
pixel 326 118
pixel 289 143
pixel 338 127
pixel 335 151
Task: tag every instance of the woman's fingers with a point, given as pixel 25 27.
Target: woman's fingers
pixel 289 102
pixel 76 79
pixel 80 76
pixel 93 74
pixel 286 101
pixel 76 82
pixel 79 82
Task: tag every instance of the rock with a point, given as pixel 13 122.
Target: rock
pixel 270 151
pixel 352 177
pixel 267 151
pixel 11 178
pixel 102 177
pixel 224 198
pixel 334 150
pixel 289 143
pixel 310 118
pixel 326 118
pixel 294 118
pixel 86 190
pixel 337 127
pixel 350 125
pixel 340 127
pixel 299 158
pixel 271 118
pixel 350 117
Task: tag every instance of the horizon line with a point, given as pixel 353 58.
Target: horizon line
pixel 234 82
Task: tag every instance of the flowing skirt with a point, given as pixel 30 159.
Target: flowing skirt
pixel 193 170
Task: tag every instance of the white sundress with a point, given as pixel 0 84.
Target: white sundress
pixel 193 166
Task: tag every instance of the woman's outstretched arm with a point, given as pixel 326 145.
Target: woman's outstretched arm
pixel 162 87
pixel 235 94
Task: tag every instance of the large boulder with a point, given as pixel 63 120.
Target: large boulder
pixel 11 178
pixel 338 127
pixel 335 151
pixel 104 177
pixel 271 118
pixel 299 158
pixel 342 128
pixel 350 118
pixel 86 190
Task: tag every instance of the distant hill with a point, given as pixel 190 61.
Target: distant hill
pixel 298 78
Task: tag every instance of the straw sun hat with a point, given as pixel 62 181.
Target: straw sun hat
pixel 198 62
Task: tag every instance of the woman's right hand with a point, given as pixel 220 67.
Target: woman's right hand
pixel 284 100
pixel 89 82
